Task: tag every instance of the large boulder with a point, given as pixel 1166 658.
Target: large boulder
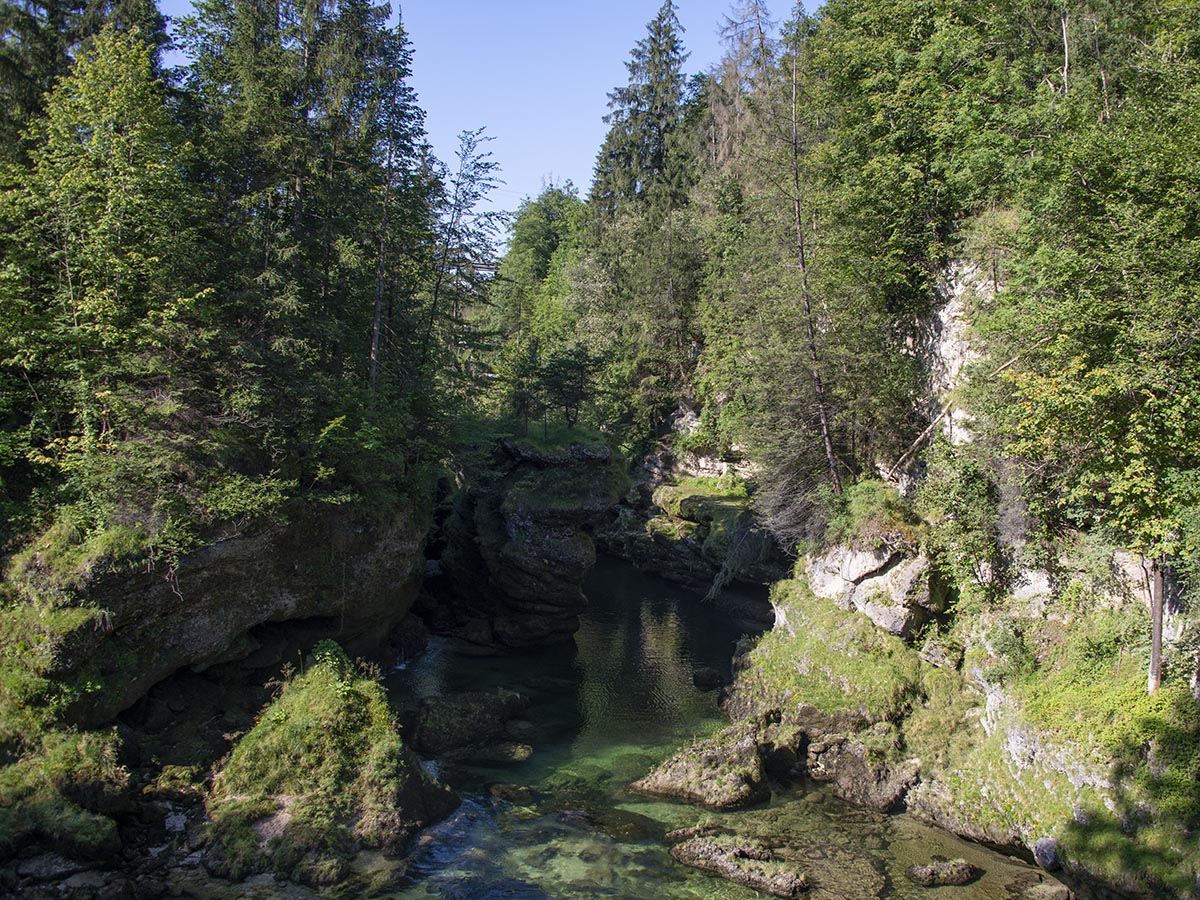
pixel 322 775
pixel 724 772
pixel 900 592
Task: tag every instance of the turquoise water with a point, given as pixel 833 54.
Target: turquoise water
pixel 600 716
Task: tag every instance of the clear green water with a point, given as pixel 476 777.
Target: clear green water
pixel 601 717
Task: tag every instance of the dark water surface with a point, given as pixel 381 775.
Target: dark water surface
pixel 601 715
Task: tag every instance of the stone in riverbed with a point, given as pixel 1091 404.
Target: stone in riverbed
pixel 49 867
pixel 742 861
pixel 940 872
pixel 498 753
pixel 704 829
pixel 462 720
pixel 707 678
pixel 724 772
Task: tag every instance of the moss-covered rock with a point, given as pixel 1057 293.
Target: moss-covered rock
pixel 323 773
pixel 62 793
pixel 352 571
pixel 1015 728
pixel 460 720
pixel 724 772
pixel 693 530
pixel 742 861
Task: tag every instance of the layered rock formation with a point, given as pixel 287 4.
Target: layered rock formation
pixel 695 531
pixel 330 573
pixel 518 544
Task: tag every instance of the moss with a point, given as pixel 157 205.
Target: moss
pixel 700 499
pixel 1090 691
pixel 939 728
pixel 718 506
pixel 65 557
pixel 321 772
pixel 834 660
pixel 58 793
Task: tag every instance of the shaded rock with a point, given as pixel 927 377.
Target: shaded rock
pixel 518 543
pixel 724 772
pixel 517 794
pixel 461 720
pixel 1045 854
pixel 149 888
pixel 707 678
pixel 856 779
pixel 940 872
pixel 742 861
pixel 409 638
pixel 499 753
pixel 49 867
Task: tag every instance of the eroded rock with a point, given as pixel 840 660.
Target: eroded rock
pixel 518 542
pixel 940 872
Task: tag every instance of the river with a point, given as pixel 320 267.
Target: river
pixel 601 714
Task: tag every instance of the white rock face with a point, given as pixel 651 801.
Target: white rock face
pixel 894 590
pixel 952 348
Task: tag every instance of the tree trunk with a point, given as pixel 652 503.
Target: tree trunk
pixel 1156 623
pixel 806 297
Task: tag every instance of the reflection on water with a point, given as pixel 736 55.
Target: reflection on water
pixel 604 713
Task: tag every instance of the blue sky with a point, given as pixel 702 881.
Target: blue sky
pixel 535 73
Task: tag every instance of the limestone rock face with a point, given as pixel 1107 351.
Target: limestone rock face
pixel 519 544
pixel 898 592
pixel 343 574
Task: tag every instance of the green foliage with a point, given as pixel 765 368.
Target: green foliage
pixel 960 503
pixel 54 792
pixel 872 512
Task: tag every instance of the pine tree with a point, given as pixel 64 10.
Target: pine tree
pixel 645 114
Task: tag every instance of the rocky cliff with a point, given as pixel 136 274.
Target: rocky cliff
pixel 330 572
pixel 518 542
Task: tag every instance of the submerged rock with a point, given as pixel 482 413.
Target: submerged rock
pixel 466 719
pixel 499 753
pixel 707 678
pixel 940 872
pixel 742 861
pixel 724 772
